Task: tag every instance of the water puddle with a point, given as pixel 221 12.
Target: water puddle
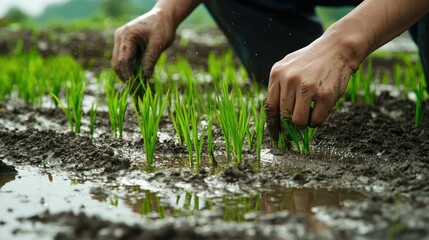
pixel 29 193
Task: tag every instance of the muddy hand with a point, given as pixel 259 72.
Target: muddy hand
pixel 140 42
pixel 318 73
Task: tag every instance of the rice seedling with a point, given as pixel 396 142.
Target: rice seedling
pixel 5 80
pixel 57 75
pixel 210 147
pixel 174 119
pixel 398 71
pixel 301 139
pixel 259 127
pixel 386 77
pixel 214 66
pixel 181 120
pixel 27 77
pixel 117 104
pixel 197 143
pixel 92 116
pixel 353 88
pixel 148 111
pixel 234 125
pixel 251 131
pixel 369 93
pixel 56 89
pixel 185 122
pixel 419 91
pixel 74 97
pixel 210 112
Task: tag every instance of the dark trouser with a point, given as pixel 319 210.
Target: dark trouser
pixel 420 34
pixel 262 34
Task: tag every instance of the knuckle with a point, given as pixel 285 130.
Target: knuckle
pixel 292 78
pixel 307 87
pixel 328 96
pixel 276 71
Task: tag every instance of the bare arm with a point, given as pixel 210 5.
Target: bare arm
pixel 141 41
pixel 320 72
pixel 375 22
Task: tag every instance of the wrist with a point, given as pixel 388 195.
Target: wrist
pixel 176 13
pixel 166 15
pixel 350 40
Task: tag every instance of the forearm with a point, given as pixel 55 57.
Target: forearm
pixel 374 23
pixel 176 9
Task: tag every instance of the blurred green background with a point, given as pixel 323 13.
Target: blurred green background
pixel 113 13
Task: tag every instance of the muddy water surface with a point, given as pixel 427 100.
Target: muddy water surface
pixel 31 192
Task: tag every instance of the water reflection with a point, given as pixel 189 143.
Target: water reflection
pixel 237 209
pixel 30 193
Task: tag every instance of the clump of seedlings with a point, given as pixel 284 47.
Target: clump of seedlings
pixel 234 124
pixel 301 139
pixel 181 120
pixel 74 96
pixel 186 119
pixel 117 104
pixel 148 111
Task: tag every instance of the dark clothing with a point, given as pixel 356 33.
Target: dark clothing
pixel 263 32
pixel 420 34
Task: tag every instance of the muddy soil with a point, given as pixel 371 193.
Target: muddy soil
pixel 374 153
pixel 367 178
pixel 93 48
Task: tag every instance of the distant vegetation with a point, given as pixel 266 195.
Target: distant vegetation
pixel 98 14
pixel 112 13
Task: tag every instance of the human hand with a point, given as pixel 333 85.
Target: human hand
pixel 140 42
pixel 318 73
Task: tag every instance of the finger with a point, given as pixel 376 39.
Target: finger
pixel 287 100
pixel 115 55
pixel 272 110
pixel 301 113
pixel 323 106
pixel 150 57
pixel 126 58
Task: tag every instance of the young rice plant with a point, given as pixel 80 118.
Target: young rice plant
pixel 148 111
